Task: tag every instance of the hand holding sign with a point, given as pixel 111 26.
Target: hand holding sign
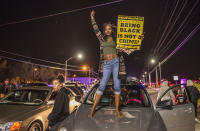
pixel 130 32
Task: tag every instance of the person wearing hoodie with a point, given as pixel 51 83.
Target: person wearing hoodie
pixel 61 106
pixel 194 96
pixel 163 88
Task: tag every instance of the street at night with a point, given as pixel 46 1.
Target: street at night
pixel 100 65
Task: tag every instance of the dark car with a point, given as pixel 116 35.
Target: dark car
pixel 27 108
pixel 138 111
pixel 37 84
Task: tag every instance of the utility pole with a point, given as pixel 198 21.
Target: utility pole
pixel 89 75
pixel 160 71
pixel 66 71
pixel 156 77
pixel 150 79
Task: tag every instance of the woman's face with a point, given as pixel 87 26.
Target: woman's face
pixel 56 85
pixel 108 30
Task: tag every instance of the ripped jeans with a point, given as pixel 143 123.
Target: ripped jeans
pixel 110 66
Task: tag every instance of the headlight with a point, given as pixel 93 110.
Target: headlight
pixel 63 129
pixel 11 126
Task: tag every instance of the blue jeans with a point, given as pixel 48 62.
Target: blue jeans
pixel 110 66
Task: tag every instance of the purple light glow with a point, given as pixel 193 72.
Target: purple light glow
pixel 85 80
pixel 183 81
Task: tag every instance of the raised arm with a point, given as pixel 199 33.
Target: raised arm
pixel 95 27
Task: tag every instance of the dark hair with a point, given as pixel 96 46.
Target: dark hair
pixel 60 78
pixel 6 79
pixel 113 30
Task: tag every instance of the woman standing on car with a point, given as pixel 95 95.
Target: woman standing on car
pixel 111 62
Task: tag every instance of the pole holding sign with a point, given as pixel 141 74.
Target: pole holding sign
pixel 129 31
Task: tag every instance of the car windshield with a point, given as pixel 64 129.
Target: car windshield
pixel 25 97
pixel 131 96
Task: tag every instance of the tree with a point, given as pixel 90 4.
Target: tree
pixel 4 70
pixel 45 74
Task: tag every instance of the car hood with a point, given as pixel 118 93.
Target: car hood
pixel 15 112
pixel 135 119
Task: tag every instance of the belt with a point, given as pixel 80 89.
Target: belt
pixel 110 56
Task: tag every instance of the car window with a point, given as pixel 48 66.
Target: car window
pixel 131 96
pixel 177 95
pixel 27 97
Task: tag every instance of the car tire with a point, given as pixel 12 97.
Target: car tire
pixel 35 126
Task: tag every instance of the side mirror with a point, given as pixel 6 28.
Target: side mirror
pixel 51 102
pixel 166 104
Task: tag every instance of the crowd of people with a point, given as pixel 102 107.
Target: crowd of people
pixel 178 92
pixel 7 86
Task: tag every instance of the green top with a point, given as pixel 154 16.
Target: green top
pixel 109 47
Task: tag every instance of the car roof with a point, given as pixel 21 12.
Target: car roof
pixel 35 88
pixel 133 83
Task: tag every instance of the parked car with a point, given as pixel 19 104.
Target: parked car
pixel 37 84
pixel 27 108
pixel 138 111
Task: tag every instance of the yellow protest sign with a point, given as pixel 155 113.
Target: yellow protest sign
pixel 129 30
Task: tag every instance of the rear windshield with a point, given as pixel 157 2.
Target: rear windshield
pixel 131 96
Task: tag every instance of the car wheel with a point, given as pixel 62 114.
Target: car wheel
pixel 35 126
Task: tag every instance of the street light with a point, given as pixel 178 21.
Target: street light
pixel 84 68
pixel 79 56
pixel 159 65
pixel 87 68
pixel 153 61
pixel 143 76
pixel 35 69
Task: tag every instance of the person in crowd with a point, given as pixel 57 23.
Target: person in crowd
pixel 14 84
pixel 194 96
pixel 7 86
pixel 1 90
pixel 168 95
pixel 61 105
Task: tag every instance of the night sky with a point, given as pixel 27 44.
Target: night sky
pixel 60 37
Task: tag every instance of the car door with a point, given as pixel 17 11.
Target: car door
pixel 73 104
pixel 177 113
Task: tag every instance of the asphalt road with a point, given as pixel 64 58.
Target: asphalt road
pixel 153 94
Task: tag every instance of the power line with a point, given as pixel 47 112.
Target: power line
pixel 179 30
pixel 180 45
pixel 166 27
pixel 161 23
pixel 31 63
pixel 47 61
pixel 65 12
pixel 172 26
pixel 31 58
